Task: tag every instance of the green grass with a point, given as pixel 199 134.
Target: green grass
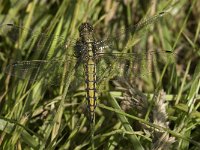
pixel 158 109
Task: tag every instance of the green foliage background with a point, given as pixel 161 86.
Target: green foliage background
pixel 40 117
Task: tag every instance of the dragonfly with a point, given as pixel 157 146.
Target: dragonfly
pixel 99 59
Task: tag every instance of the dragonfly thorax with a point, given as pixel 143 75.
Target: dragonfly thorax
pixel 86 32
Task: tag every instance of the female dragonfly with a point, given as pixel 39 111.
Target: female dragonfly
pixel 98 57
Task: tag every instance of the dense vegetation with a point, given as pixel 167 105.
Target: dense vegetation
pixel 156 108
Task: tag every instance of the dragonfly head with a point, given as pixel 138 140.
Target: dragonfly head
pixel 86 32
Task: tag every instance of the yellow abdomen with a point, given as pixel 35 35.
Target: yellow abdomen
pixel 91 92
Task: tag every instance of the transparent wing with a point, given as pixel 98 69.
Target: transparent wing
pixel 39 42
pixel 131 65
pixel 109 65
pixel 121 38
pixel 52 72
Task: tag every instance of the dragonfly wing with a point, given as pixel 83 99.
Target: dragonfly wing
pixel 49 71
pixel 127 65
pixel 119 41
pixel 25 38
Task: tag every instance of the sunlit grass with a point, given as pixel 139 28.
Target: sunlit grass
pixel 45 116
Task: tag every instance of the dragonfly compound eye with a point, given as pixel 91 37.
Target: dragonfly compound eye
pixel 85 27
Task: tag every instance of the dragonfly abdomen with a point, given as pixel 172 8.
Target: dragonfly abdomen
pixel 91 92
